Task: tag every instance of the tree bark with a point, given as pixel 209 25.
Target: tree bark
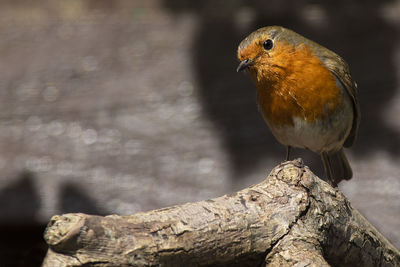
pixel 291 218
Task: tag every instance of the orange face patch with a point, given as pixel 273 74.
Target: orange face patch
pixel 293 82
pixel 251 52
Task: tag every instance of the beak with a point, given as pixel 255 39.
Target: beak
pixel 244 64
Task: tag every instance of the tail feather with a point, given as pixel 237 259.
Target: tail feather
pixel 337 168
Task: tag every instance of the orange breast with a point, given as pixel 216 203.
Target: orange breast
pixel 297 84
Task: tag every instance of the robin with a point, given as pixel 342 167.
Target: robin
pixel 305 94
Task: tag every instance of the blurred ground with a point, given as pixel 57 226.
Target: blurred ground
pixel 124 106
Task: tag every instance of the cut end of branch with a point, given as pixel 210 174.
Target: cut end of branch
pixel 62 230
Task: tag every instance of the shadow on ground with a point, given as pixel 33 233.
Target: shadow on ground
pixel 22 243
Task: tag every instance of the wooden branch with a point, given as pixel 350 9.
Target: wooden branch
pixel 291 218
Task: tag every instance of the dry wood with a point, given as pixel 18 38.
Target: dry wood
pixel 291 218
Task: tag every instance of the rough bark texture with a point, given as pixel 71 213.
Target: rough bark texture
pixel 291 218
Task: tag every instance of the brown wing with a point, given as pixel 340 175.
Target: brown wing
pixel 340 69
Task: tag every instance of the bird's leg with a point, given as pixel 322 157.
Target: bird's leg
pixel 288 148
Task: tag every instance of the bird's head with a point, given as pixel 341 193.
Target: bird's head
pixel 266 52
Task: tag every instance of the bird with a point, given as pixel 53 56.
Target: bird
pixel 305 94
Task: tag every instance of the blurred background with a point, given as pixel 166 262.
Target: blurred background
pixel 115 107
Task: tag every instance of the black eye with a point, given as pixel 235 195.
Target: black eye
pixel 268 44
